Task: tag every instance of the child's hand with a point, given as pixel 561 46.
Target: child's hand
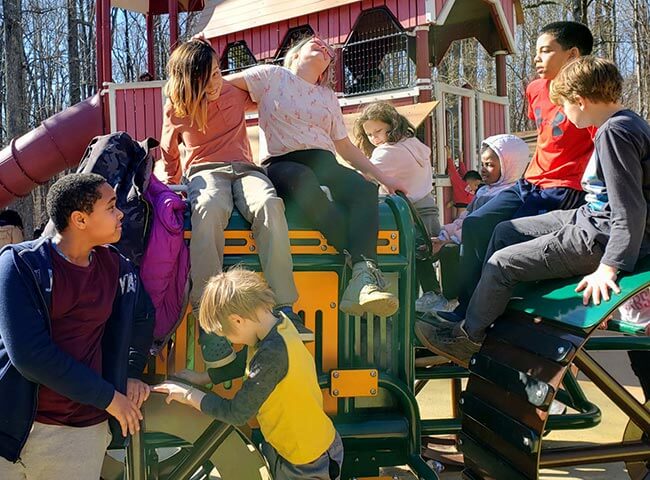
pixel 437 244
pixel 181 393
pixel 598 284
pixel 137 391
pixel 126 413
pixel 190 376
pixel 392 185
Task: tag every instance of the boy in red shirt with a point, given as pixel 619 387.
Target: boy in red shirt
pixel 552 180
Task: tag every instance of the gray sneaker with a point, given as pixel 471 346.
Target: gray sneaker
pixel 451 343
pixel 367 292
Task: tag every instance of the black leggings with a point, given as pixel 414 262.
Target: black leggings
pixel 351 221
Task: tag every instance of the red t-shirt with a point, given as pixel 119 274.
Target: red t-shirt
pixel 563 150
pixel 82 302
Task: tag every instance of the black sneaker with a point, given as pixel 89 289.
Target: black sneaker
pixel 305 334
pixel 216 350
pixel 447 342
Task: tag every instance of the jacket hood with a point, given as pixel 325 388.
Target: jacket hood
pixel 513 155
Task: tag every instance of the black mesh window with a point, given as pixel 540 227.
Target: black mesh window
pixel 379 55
pixel 294 35
pixel 236 58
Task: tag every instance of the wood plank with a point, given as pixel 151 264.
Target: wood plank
pixel 120 111
pixel 140 119
pixel 345 24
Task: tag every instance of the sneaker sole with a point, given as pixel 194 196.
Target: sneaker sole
pixel 382 307
pixel 425 341
pixel 221 362
pixel 307 337
pixel 351 308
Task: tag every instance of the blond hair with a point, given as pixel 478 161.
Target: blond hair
pixel 593 78
pixel 398 126
pixel 189 70
pixel 326 79
pixel 235 292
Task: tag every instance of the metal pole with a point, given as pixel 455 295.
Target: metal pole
pixel 173 24
pixel 203 448
pixel 135 463
pixel 616 393
pixel 615 452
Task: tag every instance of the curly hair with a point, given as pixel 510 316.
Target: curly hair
pixel 76 192
pixel 399 126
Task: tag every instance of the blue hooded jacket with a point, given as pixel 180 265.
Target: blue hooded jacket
pixel 29 357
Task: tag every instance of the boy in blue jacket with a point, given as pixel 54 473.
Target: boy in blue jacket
pixel 75 323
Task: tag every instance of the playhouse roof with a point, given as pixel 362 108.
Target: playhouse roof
pixel 158 7
pixel 221 17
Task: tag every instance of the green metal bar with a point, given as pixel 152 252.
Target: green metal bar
pixel 405 226
pixel 614 452
pixel 203 448
pixel 625 327
pixel 136 467
pixel 421 468
pixel 440 426
pixel 616 393
pixel 618 343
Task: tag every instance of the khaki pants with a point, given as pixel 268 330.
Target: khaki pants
pixel 56 452
pixel 213 189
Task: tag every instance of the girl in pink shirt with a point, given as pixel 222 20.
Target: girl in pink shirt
pixel 303 127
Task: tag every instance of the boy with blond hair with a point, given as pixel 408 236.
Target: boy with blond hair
pixel 606 235
pixel 281 386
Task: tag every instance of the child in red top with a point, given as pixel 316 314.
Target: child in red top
pixel 552 180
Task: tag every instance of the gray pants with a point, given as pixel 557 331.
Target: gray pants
pixel 55 452
pixel 326 467
pixel 527 249
pixel 428 212
pixel 212 190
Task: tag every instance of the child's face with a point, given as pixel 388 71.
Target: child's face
pixel 104 224
pixel 490 167
pixel 376 131
pixel 472 185
pixel 577 113
pixel 318 52
pixel 216 81
pixel 551 57
pixel 243 331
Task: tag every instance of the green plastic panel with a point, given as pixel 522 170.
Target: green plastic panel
pixel 557 300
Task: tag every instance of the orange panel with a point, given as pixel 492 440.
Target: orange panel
pixel 387 242
pixel 354 383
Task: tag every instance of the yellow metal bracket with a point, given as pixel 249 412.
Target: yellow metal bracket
pixel 354 383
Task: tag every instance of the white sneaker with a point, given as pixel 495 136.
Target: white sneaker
pixel 430 302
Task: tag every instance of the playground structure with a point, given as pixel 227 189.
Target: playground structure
pixel 385 50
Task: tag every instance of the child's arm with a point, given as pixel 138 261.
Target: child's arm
pixel 267 368
pixel 171 156
pixel 358 160
pixel 623 175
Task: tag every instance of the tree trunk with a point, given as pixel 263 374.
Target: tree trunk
pixel 16 103
pixel 73 54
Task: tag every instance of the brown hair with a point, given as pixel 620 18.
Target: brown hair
pixel 235 292
pixel 399 126
pixel 595 79
pixel 189 70
pixel 327 78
